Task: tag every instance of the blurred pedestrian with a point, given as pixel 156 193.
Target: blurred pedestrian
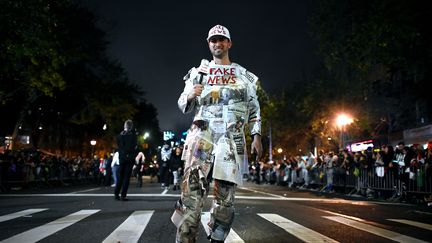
pixel 164 161
pixel 114 167
pixel 127 146
pixel 176 168
pixel 108 169
pixel 139 167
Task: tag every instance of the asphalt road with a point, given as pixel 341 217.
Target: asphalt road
pixel 264 213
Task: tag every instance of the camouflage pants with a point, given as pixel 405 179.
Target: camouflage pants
pixel 189 207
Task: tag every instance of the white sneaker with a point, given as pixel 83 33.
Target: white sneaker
pixel 113 185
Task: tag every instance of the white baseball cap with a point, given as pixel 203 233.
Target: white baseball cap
pixel 219 30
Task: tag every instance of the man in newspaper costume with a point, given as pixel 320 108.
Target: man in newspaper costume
pixel 223 96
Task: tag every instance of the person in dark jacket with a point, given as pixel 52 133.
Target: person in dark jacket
pixel 164 161
pixel 127 147
pixel 176 167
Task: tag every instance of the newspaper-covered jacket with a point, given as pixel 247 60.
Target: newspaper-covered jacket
pixel 227 103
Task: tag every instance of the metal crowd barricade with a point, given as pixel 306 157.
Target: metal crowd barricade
pixel 419 181
pixel 387 181
pixel 400 183
pixel 392 184
pixel 343 179
pixel 22 175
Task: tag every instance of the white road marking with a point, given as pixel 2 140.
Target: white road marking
pixel 88 190
pixel 323 200
pixel 283 198
pixel 357 219
pixel 131 229
pixel 205 218
pixel 38 233
pixel 297 230
pixel 88 195
pixel 265 193
pixel 373 230
pixel 164 191
pixel 21 214
pixel 413 223
pixel 343 215
pixel 232 237
pixel 421 212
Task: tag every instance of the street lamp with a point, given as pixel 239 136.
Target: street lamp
pixel 93 143
pixel 280 150
pixel 341 121
pixel 145 142
pixel 146 135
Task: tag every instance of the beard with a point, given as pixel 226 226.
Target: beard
pixel 219 53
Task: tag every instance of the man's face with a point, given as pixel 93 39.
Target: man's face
pixel 219 46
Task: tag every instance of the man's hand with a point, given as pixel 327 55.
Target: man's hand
pixel 203 69
pixel 256 146
pixel 196 91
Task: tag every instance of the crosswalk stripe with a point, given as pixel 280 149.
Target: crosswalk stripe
pixel 164 191
pixel 45 230
pixel 374 230
pixel 232 237
pixel 205 218
pixel 21 214
pixel 297 230
pixel 413 223
pixel 132 228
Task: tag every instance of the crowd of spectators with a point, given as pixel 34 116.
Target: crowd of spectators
pixel 20 169
pixel 34 168
pixel 400 173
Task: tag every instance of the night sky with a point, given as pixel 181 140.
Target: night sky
pixel 157 42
